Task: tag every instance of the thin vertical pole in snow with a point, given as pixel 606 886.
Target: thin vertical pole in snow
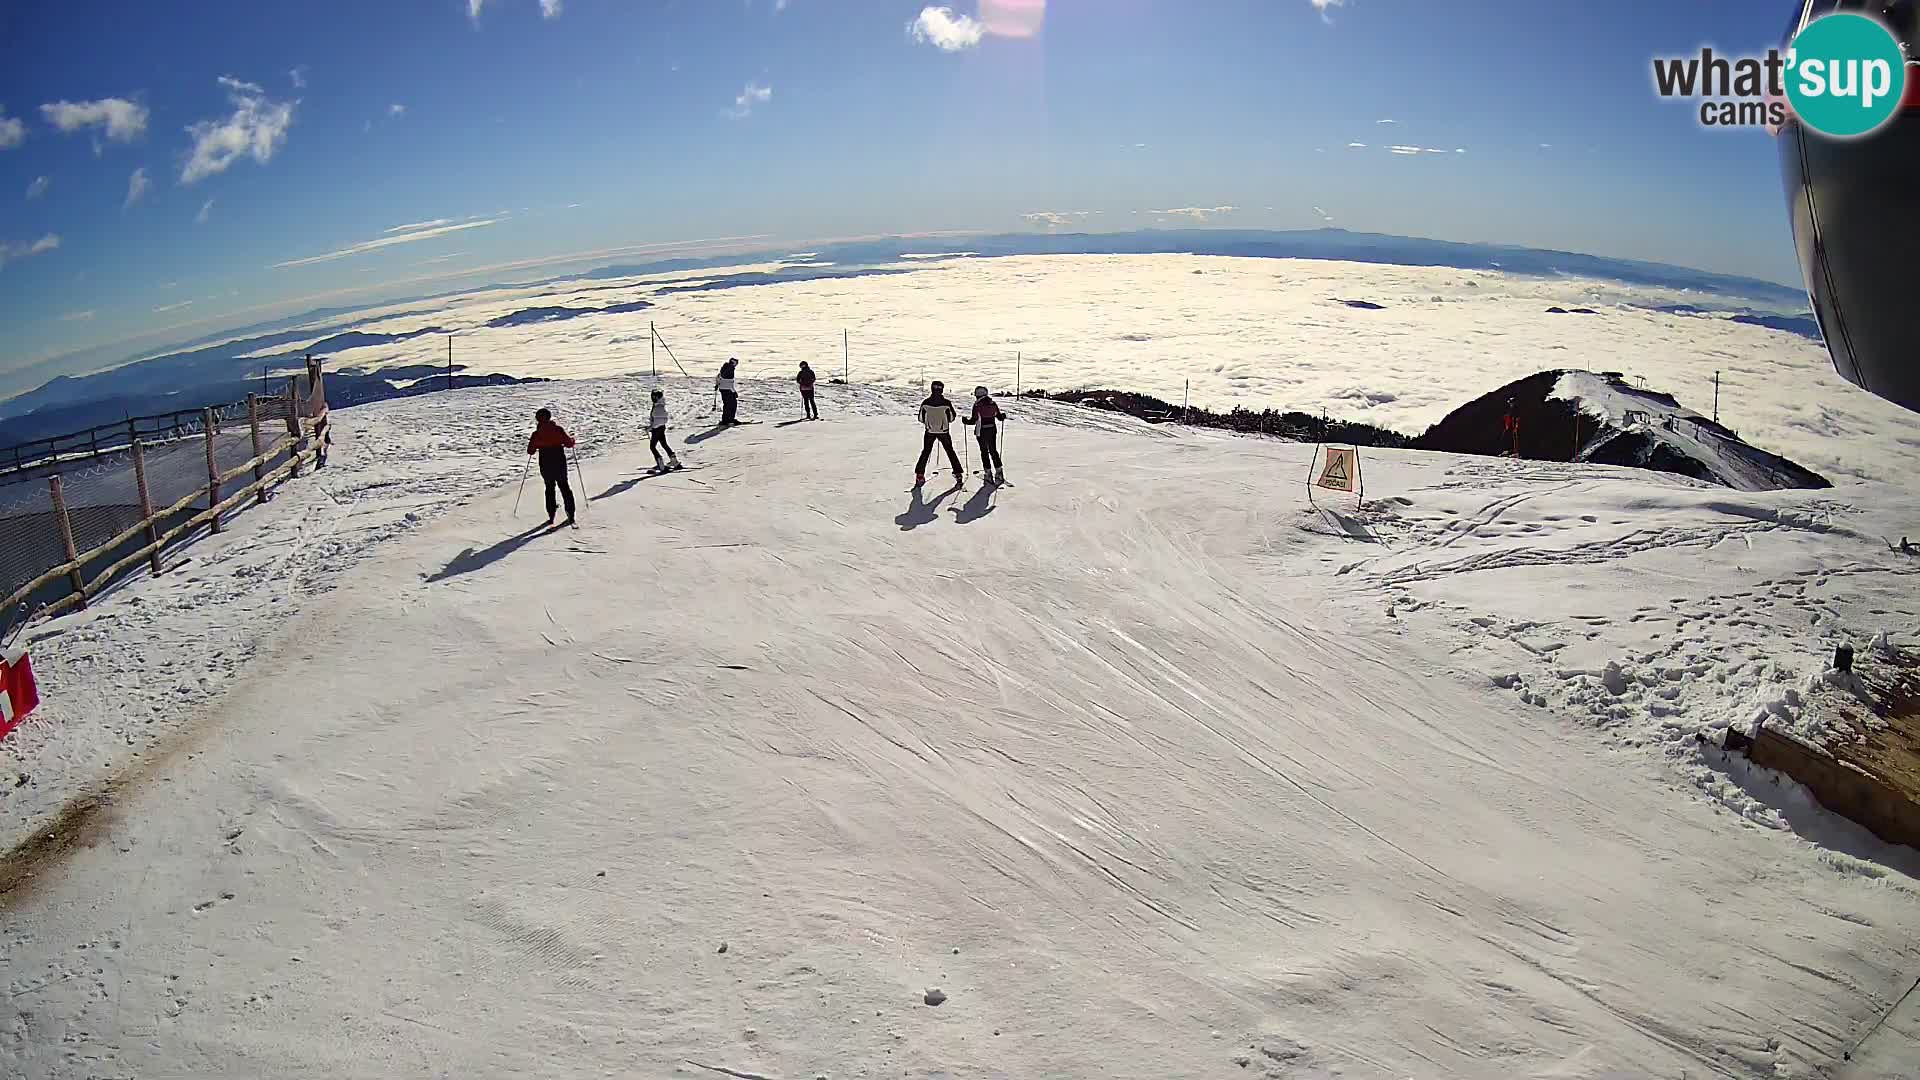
pixel 653 350
pixel 846 357
pixel 1716 397
pixel 1016 374
pixel 1186 403
pixel 449 361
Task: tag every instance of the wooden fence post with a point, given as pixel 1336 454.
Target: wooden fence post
pixel 146 503
pixel 253 424
pixel 66 536
pixel 293 422
pixel 213 467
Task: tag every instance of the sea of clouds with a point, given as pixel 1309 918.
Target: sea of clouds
pixel 1253 332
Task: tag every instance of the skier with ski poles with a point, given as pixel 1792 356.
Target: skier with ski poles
pixel 658 442
pixel 985 419
pixel 552 442
pixel 805 379
pixel 729 396
pixel 937 415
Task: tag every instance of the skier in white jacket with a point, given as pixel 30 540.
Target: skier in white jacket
pixel 937 415
pixel 658 442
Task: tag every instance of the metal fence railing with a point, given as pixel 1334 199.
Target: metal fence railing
pixel 80 511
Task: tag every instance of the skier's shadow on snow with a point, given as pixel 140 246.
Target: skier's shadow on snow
pixel 921 512
pixel 477 559
pixel 717 429
pixel 977 507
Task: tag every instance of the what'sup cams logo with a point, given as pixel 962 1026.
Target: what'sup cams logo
pixel 1843 76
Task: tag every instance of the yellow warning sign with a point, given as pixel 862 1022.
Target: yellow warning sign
pixel 1338 472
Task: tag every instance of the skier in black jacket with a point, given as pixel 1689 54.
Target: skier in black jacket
pixel 805 379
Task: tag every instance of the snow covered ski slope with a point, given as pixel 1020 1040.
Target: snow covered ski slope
pixel 1149 768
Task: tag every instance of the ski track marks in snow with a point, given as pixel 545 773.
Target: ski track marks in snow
pixel 1156 771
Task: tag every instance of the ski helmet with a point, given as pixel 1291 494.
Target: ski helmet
pixel 938 386
pixel 979 391
pixel 657 392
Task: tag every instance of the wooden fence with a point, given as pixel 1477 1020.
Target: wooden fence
pixel 297 442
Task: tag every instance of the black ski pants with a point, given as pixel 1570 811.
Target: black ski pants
pixel 657 443
pixel 944 439
pixel 557 481
pixel 729 404
pixel 990 448
pixel 806 398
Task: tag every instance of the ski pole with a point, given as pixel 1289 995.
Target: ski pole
pixel 523 485
pixel 966 456
pixel 584 500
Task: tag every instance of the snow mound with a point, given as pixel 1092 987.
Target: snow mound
pixel 1602 419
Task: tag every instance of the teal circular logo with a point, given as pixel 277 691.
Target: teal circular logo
pixel 1845 75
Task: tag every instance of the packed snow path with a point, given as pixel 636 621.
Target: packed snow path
pixel 1126 758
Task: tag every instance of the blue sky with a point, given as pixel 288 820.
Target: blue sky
pixel 268 135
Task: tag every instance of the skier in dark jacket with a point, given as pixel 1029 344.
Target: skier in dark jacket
pixel 985 421
pixel 937 415
pixel 729 395
pixel 552 442
pixel 805 379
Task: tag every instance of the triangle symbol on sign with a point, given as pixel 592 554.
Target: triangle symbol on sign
pixel 1335 475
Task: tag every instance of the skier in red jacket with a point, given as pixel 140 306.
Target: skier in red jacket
pixel 552 442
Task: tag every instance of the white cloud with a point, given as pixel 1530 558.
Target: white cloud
pixel 473 9
pixel 298 76
pixel 172 307
pixel 38 187
pixel 1197 213
pixel 206 211
pixel 941 28
pixel 256 128
pixel 396 109
pixel 20 251
pixel 549 9
pixel 1053 219
pixel 137 187
pixel 1386 121
pixel 416 226
pixel 12 132
pixel 1321 6
pixel 123 120
pixel 1324 216
pixel 77 316
pixel 409 233
pixel 753 95
pixel 1356 146
pixel 1409 151
pixel 1459 149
